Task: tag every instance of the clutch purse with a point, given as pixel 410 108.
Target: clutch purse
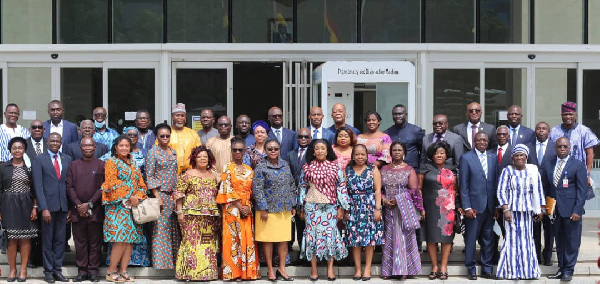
pixel 147 211
pixel 550 205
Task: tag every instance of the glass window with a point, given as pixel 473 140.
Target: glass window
pixel 591 104
pixel 128 91
pixel 594 23
pixel 197 21
pixel 202 88
pixel 82 21
pixel 81 92
pixel 504 88
pixel 559 21
pixel 450 21
pixel 137 21
pixel 552 88
pixel 262 21
pixel 29 88
pixel 391 21
pixel 504 21
pixel 26 21
pixel 268 93
pixel 453 90
pixel 327 21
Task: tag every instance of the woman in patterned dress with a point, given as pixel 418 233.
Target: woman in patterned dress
pixel 239 249
pixel 364 228
pixel 400 198
pixel 161 169
pixel 521 196
pixel 256 152
pixel 123 188
pixel 377 142
pixel 439 189
pixel 195 199
pixel 323 200
pixel 18 207
pixel 345 139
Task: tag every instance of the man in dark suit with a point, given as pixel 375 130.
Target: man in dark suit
pixel 36 145
pixel 478 196
pixel 286 137
pixel 282 36
pixel 56 123
pixel 49 180
pixel 543 152
pixel 519 134
pixel 296 159
pixel 338 114
pixel 316 128
pixel 468 129
pixel 74 149
pixel 440 132
pixel 567 183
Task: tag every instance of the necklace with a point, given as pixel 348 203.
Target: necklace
pixel 398 166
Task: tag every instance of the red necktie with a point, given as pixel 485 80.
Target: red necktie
pixel 499 156
pixel 56 166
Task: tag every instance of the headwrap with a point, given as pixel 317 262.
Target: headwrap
pixel 261 123
pixel 126 129
pixel 520 149
pixel 179 107
pixel 568 107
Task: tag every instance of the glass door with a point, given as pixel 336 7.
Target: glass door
pixel 298 93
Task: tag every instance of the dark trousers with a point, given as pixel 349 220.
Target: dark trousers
pixel 545 254
pixel 568 240
pixel 35 257
pixel 88 237
pixel 480 228
pixel 53 242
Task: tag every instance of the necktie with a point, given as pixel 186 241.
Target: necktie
pixel 300 153
pixel 541 153
pixel 513 136
pixel 558 172
pixel 315 133
pixel 473 133
pixel 38 150
pixel 438 137
pixel 56 166
pixel 499 155
pixel 278 134
pixel 483 160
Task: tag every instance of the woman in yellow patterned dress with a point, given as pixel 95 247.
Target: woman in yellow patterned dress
pixel 239 249
pixel 197 214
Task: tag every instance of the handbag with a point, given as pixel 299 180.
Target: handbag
pixel 147 211
pixel 3 238
pixel 459 224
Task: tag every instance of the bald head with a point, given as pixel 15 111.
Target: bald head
pixel 224 127
pixel 515 114
pixel 275 117
pixel 242 124
pixel 315 116
pixel 474 112
pixel 338 114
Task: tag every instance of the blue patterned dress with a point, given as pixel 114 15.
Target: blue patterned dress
pixel 361 228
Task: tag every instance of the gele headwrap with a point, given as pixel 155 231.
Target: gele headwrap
pixel 520 149
pixel 261 123
pixel 126 129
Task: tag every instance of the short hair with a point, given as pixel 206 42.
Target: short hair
pixel 399 105
pixel 198 150
pixel 15 140
pixel 11 105
pixel 162 125
pixel 397 142
pixel 54 102
pixel 142 110
pixel 310 152
pixel 372 112
pixel 272 141
pixel 352 162
pixel 238 140
pixel 113 148
pixel 435 146
pixel 351 134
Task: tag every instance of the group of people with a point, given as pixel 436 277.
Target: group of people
pixel 226 201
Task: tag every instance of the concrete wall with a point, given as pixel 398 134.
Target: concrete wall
pixel 550 92
pixel 559 21
pixel 30 89
pixel 26 21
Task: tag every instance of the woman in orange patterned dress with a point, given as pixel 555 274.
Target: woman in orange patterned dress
pixel 239 249
pixel 123 188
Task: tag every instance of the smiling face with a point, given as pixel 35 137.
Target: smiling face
pixel 237 151
pixel 320 151
pixel 88 146
pixel 304 137
pixel 272 149
pixel 338 114
pixel 99 114
pixel 11 114
pixel 202 160
pixel 440 156
pixel 515 114
pixel 372 122
pixel 260 134
pixel 569 118
pixel 360 155
pixel 142 120
pixel 397 153
pixel 343 139
pixel 519 160
pixel 399 115
pixel 440 124
pixel 37 129
pixel 481 141
pixel 474 112
pixel 178 120
pixel 17 149
pixel 133 135
pixel 54 142
pixel 123 148
pixel 316 117
pixel 87 128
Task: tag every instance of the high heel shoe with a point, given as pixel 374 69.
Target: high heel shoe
pixel 279 275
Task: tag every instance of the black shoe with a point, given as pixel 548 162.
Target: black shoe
pixel 49 279
pixel 366 278
pixel 558 275
pixel 60 278
pixel 278 275
pixel 24 279
pixel 80 278
pixel 472 277
pixel 547 262
pixel 11 279
pixel 566 278
pixel 487 276
pixel 330 278
pixel 31 265
pixel 357 278
pixel 94 278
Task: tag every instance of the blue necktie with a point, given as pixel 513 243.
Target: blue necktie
pixel 483 160
pixel 541 153
pixel 315 133
pixel 514 136
pixel 278 134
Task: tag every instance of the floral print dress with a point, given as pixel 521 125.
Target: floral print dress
pixel 439 200
pixel 361 228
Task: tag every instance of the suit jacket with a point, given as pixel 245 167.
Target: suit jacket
pixel 452 139
pixel 549 154
pixel 51 192
pixel 6 178
pixel 74 150
pixel 30 152
pixel 327 134
pixel 288 141
pixel 572 198
pixel 525 135
pixel 507 158
pixel 69 134
pixel 476 191
pixel 295 167
pixel 489 129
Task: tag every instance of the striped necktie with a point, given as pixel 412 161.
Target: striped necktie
pixel 483 160
pixel 558 172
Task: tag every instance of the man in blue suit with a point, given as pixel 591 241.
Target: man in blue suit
pixel 286 137
pixel 56 123
pixel 478 197
pixel 567 183
pixel 49 180
pixel 316 125
pixel 519 134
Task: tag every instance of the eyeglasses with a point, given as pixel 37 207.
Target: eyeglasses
pixel 238 150
pixel 276 115
pixel 165 136
pixel 132 135
pixel 37 127
pixel 273 149
pixel 99 115
pixel 303 136
pixel 562 146
pixel 474 110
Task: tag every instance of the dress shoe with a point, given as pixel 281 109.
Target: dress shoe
pixel 11 279
pixel 558 275
pixel 31 265
pixel 94 278
pixel 60 278
pixel 80 278
pixel 566 278
pixel 487 276
pixel 49 279
pixel 24 279
pixel 472 277
pixel 547 262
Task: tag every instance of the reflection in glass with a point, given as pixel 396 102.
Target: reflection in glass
pixel 591 104
pixel 202 88
pixel 558 21
pixel 197 20
pixel 443 23
pixel 391 21
pixel 82 21
pixel 128 91
pixel 137 21
pixel 30 89
pixel 263 21
pixel 80 92
pixel 552 88
pixel 329 21
pixel 453 90
pixel 503 88
pixel 502 21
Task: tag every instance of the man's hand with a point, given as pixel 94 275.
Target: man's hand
pixel 470 214
pixel 575 217
pixel 46 216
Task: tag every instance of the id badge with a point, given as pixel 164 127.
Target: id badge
pixel 565 182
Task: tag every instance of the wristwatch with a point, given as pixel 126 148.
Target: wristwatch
pixel 91 205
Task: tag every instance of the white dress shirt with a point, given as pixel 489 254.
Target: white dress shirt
pixel 319 132
pixel 470 132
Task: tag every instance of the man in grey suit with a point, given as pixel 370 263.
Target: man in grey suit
pixel 441 133
pixel 468 129
pixel 49 180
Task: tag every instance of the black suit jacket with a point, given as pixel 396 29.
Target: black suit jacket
pixel 489 129
pixel 69 134
pixel 30 152
pixel 288 141
pixel 295 167
pixel 74 150
pixel 50 191
pixel 525 135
